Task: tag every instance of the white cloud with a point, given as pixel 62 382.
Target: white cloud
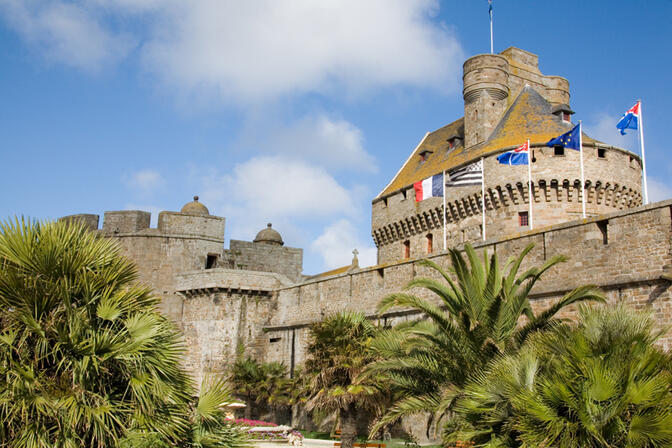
pixel 333 143
pixel 66 32
pixel 251 51
pixel 280 187
pixel 658 190
pixel 263 49
pixel 144 182
pixel 337 242
pixel 603 128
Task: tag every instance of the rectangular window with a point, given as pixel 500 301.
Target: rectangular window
pixel 211 261
pixel 565 116
pixel 523 219
pixel 274 340
pixel 601 153
pixel 558 150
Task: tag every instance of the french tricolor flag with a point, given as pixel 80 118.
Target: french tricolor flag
pixel 430 187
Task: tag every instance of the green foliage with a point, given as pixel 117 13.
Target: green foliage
pixel 477 317
pixel 83 351
pixel 264 383
pixel 207 425
pixel 337 355
pixel 601 383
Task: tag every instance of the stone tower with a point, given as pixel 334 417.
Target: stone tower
pixel 493 81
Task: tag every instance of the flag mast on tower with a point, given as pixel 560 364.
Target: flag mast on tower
pixel 491 40
pixel 633 119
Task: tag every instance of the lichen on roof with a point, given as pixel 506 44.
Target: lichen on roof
pixel 528 117
pixel 341 270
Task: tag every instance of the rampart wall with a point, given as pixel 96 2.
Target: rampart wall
pixel 627 253
pixel 256 256
pixel 180 243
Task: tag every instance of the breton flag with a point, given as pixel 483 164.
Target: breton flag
pixel 428 188
pixel 629 119
pixel 569 139
pixel 471 174
pixel 519 156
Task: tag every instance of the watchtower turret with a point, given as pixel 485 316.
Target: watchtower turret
pixel 486 89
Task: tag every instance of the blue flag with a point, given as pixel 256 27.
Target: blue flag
pixel 567 140
pixel 518 156
pixel 629 119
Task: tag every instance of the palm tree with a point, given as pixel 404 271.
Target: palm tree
pixel 207 425
pixel 601 383
pixel 262 383
pixel 247 374
pixel 480 312
pixel 337 354
pixel 83 351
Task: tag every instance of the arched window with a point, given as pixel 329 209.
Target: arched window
pixel 406 249
pixel 430 243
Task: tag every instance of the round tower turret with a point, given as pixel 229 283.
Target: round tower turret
pixel 486 89
pixel 557 90
pixel 269 236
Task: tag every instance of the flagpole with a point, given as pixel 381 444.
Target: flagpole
pixel 641 145
pixel 444 212
pixel 529 180
pixel 483 193
pixel 491 39
pixel 583 182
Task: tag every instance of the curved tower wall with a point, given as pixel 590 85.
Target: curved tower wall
pixel 613 183
pixel 493 81
pixel 486 89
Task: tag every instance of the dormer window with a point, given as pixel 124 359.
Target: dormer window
pixel 453 141
pixel 564 112
pixel 424 155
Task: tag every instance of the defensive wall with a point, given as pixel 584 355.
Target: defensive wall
pixel 626 253
pixel 181 242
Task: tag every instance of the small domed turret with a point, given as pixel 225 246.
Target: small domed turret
pixel 269 236
pixel 195 208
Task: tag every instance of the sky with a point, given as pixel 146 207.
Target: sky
pixel 295 112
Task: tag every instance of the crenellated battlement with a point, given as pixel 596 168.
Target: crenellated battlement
pixel 402 227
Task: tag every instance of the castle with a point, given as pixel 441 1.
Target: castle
pixel 254 293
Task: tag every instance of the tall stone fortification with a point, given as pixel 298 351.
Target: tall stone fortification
pixel 506 101
pixel 254 294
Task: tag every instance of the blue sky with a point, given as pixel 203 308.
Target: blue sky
pixel 296 112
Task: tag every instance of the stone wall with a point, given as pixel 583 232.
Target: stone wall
pixel 612 183
pixel 627 253
pixel 492 81
pixel 259 256
pixel 221 310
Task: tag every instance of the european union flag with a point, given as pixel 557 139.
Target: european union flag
pixel 568 139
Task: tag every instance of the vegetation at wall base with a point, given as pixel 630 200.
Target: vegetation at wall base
pixel 337 354
pixel 84 354
pixel 427 362
pixel 599 383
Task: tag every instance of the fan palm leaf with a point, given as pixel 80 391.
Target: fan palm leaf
pixel 479 311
